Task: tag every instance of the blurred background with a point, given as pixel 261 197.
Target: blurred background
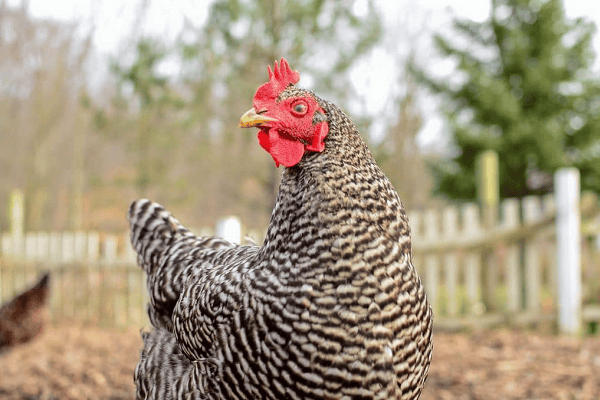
pixel 104 101
pixel 471 108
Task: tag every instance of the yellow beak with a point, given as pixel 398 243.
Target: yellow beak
pixel 251 119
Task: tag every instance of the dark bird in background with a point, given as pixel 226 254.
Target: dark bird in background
pixel 329 307
pixel 23 318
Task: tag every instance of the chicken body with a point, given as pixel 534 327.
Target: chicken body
pixel 329 307
pixel 23 318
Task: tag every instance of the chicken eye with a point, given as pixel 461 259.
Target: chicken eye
pixel 299 108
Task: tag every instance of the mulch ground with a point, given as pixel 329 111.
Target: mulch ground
pixel 76 362
pixel 509 364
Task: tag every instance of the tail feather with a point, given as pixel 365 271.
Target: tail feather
pixel 44 281
pixel 165 250
pixel 153 229
pixel 38 294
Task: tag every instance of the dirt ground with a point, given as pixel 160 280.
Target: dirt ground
pixel 75 362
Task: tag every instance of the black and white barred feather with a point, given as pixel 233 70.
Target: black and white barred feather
pixel 329 307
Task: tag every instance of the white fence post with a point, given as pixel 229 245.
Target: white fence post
pixel 511 220
pixel 533 280
pixel 432 260
pixel 450 229
pixel 568 245
pixel 17 217
pixel 230 229
pixel 472 260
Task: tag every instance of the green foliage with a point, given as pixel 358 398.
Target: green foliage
pixel 144 113
pixel 142 73
pixel 525 90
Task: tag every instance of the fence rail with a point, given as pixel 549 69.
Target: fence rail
pixel 95 277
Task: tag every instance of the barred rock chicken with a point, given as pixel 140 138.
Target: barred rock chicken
pixel 23 318
pixel 329 307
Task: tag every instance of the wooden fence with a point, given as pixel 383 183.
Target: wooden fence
pixel 453 253
pixel 474 276
pixel 94 276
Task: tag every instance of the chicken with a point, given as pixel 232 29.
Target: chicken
pixel 329 307
pixel 23 318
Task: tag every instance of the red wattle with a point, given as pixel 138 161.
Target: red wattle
pixel 284 149
pixel 263 140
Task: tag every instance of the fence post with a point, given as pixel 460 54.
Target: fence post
pixel 17 216
pixel 488 187
pixel 230 229
pixel 510 209
pixel 472 260
pixel 568 242
pixel 533 279
pixel 549 203
pixel 431 260
pixel 450 230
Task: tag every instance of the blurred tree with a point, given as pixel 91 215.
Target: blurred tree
pixel 145 112
pixel 42 66
pixel 522 87
pixel 398 153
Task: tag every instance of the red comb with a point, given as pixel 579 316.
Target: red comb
pixel 282 75
pixel 279 78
